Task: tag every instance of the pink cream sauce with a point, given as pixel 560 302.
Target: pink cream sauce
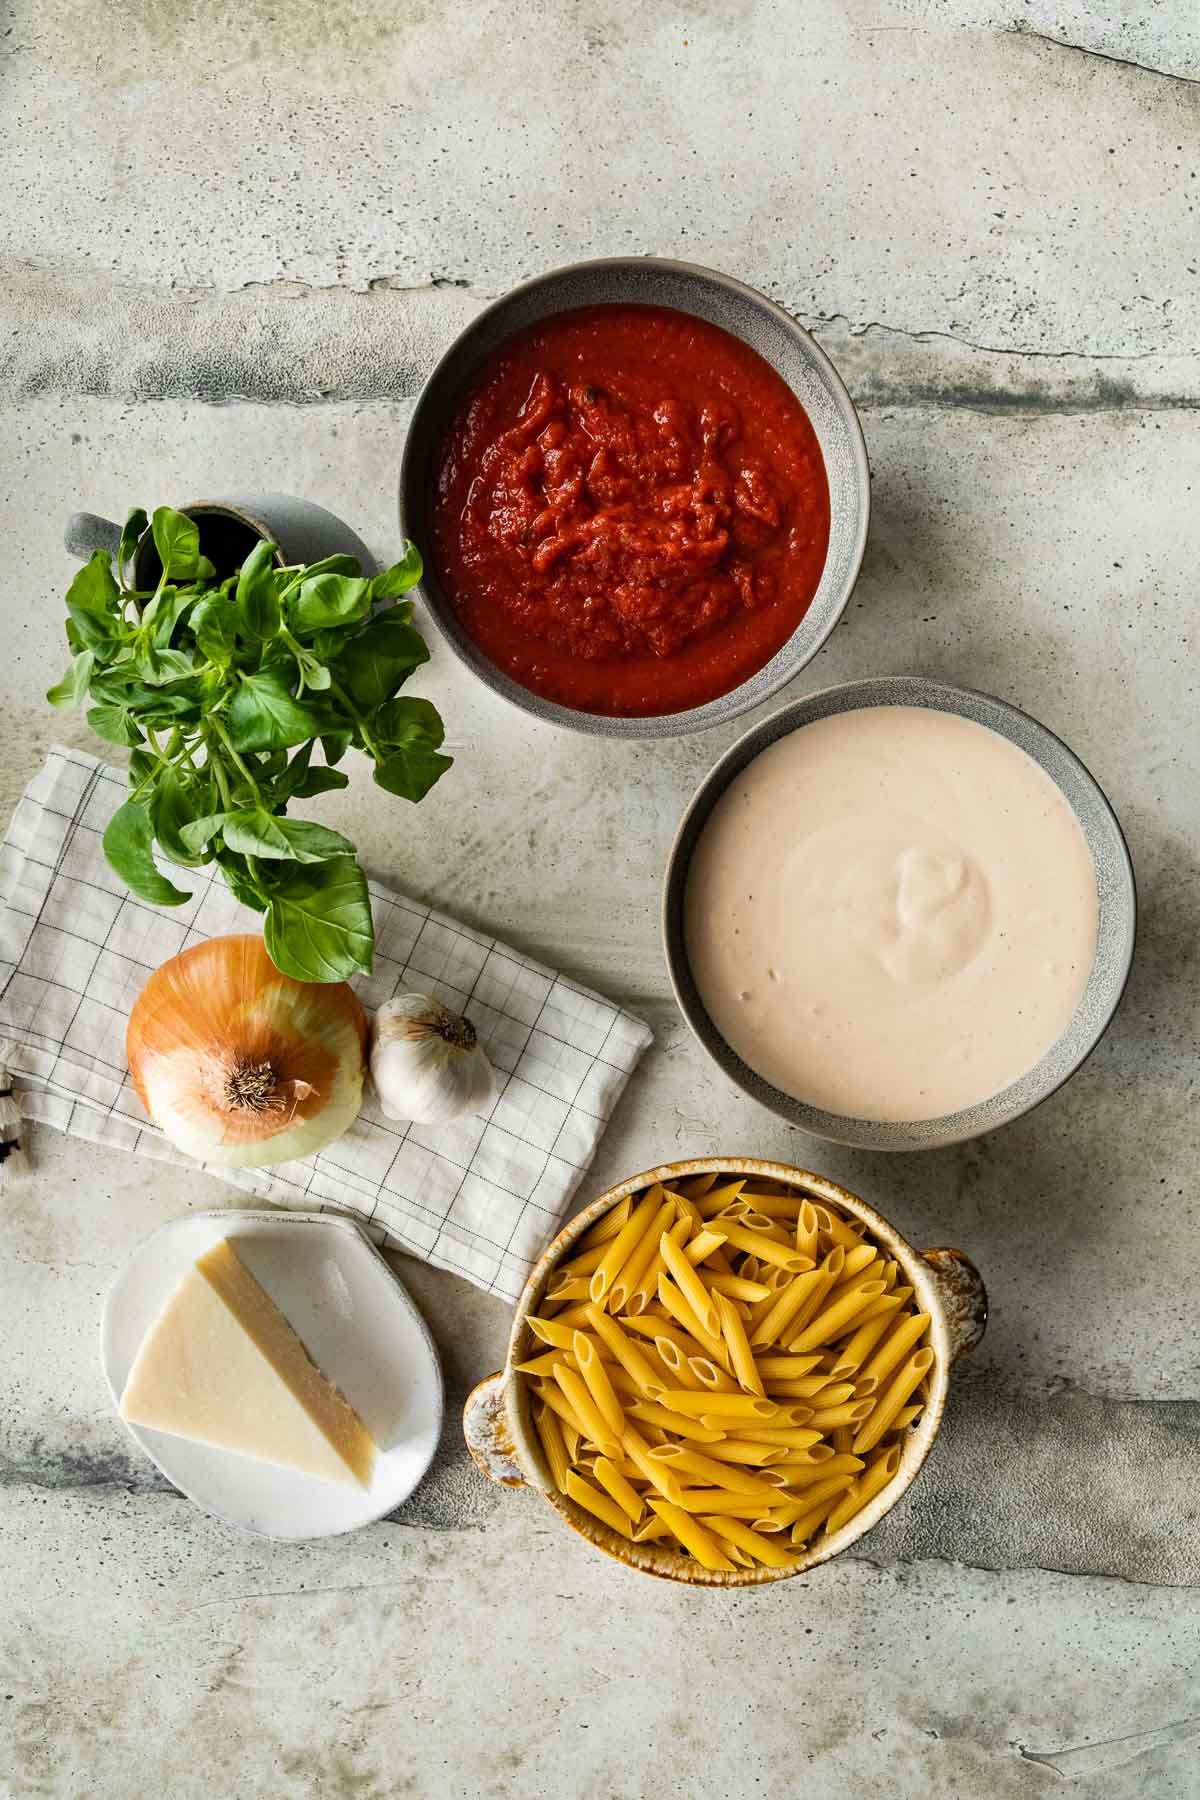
pixel 891 914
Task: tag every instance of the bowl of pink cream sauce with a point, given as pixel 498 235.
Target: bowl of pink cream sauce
pixel 899 913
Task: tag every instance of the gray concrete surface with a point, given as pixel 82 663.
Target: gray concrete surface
pixel 233 240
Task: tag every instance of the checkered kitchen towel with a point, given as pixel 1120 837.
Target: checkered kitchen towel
pixel 480 1196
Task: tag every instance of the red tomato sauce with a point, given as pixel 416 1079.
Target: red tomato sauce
pixel 630 511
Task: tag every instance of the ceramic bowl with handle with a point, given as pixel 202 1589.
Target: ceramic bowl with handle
pixel 498 1422
pixel 1116 893
pixel 745 314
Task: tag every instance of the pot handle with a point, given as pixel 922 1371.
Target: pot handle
pixel 485 1427
pixel 86 532
pixel 963 1296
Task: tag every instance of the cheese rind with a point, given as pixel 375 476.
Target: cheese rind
pixel 222 1366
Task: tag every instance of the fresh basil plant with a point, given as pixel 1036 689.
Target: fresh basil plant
pixel 221 690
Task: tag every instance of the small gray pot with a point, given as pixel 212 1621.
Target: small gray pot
pixel 229 530
pixel 1114 881
pixel 745 314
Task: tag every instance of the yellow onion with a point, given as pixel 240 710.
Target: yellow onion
pixel 240 1065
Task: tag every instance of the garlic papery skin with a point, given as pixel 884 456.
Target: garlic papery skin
pixel 426 1062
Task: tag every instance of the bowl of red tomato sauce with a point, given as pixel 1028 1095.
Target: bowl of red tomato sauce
pixel 642 493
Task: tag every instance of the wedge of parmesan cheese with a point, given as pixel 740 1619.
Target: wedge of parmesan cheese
pixel 221 1365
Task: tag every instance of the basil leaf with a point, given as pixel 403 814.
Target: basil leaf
pixel 74 641
pixel 328 600
pixel 411 773
pixel 177 540
pixel 128 845
pixel 317 781
pixel 316 675
pixel 379 659
pixel 171 810
pixel 400 577
pixel 115 725
pixel 205 569
pixel 406 724
pixel 330 565
pixel 241 883
pixel 74 684
pixel 131 537
pixel 257 606
pixel 214 627
pixel 260 833
pixel 197 833
pixel 157 667
pixel 173 605
pixel 263 715
pixel 318 925
pixel 335 745
pixel 94 603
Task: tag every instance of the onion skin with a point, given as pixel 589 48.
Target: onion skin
pixel 240 1065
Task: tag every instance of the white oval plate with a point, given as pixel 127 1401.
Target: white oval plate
pixel 353 1316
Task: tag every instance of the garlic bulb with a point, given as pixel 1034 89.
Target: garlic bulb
pixel 426 1062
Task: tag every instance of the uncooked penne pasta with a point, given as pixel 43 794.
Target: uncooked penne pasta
pixel 733 1330
pixel 894 1396
pixel 738 1376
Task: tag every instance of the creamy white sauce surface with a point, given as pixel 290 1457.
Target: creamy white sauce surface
pixel 891 913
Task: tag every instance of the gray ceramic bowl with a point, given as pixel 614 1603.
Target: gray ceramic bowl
pixel 1114 879
pixel 757 321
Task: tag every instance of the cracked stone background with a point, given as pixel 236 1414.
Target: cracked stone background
pixel 234 241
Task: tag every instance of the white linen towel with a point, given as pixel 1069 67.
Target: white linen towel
pixel 480 1196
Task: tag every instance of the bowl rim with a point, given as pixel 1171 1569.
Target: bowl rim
pixel 870 1134
pixel 650 1559
pixel 722 709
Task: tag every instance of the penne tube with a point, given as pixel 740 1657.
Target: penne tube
pixel 865 1386
pixel 571 1427
pixel 652 1528
pixel 680 1367
pixel 696 1185
pixel 775 1206
pixel 685 1206
pixel 645 1292
pixel 896 1346
pixel 587 1415
pixel 710 1376
pixel 639 1260
pixel 823 1393
pixel 632 1358
pixel 695 1293
pixel 743 1450
pixel 788 1510
pixel 572 1317
pixel 871 1482
pixel 757 1221
pixel 836 1228
pixel 850 1412
pixel 675 1302
pixel 716 1199
pixel 618 1487
pixel 586 1264
pixel 681 1460
pixel 569 1288
pixel 766 1249
pixel 546 1424
pixel 835 1318
pixel 755 1543
pixel 896 1395
pixel 648 1413
pixel 597 1502
pixel 858 1261
pixel 776 1320
pixel 607 1225
pixel 703 1546
pixel 895 1298
pixel 808 1522
pixel 587 1360
pixel 618 1252
pixel 806 1229
pixel 803 1483
pixel 866 1334
pixel 737 1287
pixel 541 1365
pixel 793 1437
pixel 733 1330
pixel 724 1406
pixel 789 1368
pixel 905 1417
pixel 703 1245
pixel 829 1268
pixel 551 1332
pixel 657 1474
pixel 721 1500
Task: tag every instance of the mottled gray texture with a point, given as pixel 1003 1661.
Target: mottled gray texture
pixel 994 236
pixel 1116 896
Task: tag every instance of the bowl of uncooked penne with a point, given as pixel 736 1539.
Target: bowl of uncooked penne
pixel 726 1371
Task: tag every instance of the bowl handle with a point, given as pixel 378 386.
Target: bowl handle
pixel 963 1296
pixel 485 1427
